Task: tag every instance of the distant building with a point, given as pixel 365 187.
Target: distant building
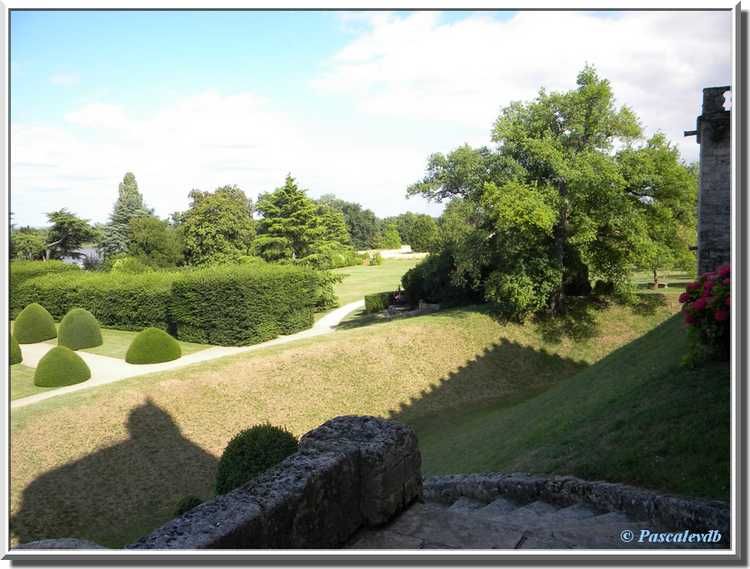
pixel 81 256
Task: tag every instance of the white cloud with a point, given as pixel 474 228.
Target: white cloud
pixel 64 79
pixel 461 73
pixel 200 141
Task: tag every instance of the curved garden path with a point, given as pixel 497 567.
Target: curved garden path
pixel 106 370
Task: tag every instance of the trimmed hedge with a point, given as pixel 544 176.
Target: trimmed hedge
pixel 237 305
pixel 378 301
pixel 21 271
pixel 14 353
pixel 61 366
pixel 153 346
pixel 79 329
pixel 34 324
pixel 252 452
pixel 125 301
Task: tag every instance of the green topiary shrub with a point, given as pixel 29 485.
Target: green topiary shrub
pixel 252 452
pixel 120 300
pixel 79 329
pixel 186 504
pixel 153 346
pixel 61 366
pixel 34 324
pixel 378 301
pixel 235 305
pixel 14 353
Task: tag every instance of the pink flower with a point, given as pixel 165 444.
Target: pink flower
pixel 700 304
pixel 724 270
pixel 721 315
pixel 708 285
pixel 692 286
pixel 727 301
pixel 684 297
pixel 727 281
pixel 689 318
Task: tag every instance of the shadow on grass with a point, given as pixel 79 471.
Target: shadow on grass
pixel 578 323
pixel 100 496
pixel 504 372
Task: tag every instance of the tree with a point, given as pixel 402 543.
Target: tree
pixel 288 214
pixel 218 227
pixel 554 206
pixel 333 225
pixel 154 242
pixel 28 243
pixel 129 205
pixel 391 238
pixel 67 233
pixel 417 230
pixel 361 223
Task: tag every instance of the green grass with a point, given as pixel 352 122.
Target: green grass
pixel 637 416
pixel 22 382
pixel 117 342
pixel 481 394
pixel 361 280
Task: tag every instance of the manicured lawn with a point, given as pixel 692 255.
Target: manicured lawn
pixel 22 382
pixel 116 343
pixel 110 463
pixel 361 280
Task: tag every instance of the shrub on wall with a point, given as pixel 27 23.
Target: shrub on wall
pixel 14 352
pixel 125 301
pixel 21 271
pixel 378 301
pixel 153 346
pixel 252 452
pixel 34 324
pixel 706 309
pixel 79 329
pixel 239 305
pixel 61 366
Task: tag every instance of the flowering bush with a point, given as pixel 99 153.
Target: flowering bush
pixel 706 307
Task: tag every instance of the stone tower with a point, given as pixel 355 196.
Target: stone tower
pixel 714 197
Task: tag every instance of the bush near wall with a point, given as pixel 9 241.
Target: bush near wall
pixel 21 271
pixel 238 305
pixel 125 301
pixel 378 301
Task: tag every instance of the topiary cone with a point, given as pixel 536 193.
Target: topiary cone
pixel 14 353
pixel 61 366
pixel 153 346
pixel 34 324
pixel 79 329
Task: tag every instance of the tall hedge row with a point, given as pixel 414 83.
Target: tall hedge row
pixel 239 305
pixel 21 271
pixel 119 300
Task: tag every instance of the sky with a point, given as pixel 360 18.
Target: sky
pixel 349 103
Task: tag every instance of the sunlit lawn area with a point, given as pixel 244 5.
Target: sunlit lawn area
pixel 22 382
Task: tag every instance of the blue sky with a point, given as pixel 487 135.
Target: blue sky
pixel 350 103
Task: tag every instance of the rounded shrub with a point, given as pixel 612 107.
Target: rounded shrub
pixel 251 452
pixel 34 324
pixel 152 346
pixel 61 366
pixel 79 329
pixel 14 352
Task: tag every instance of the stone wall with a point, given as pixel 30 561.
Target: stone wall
pixel 671 513
pixel 349 473
pixel 714 198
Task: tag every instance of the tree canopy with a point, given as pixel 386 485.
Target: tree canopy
pixel 66 234
pixel 128 206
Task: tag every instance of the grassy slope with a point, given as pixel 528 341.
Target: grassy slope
pixel 132 449
pixel 362 280
pixel 22 382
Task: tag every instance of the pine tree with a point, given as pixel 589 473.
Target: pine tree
pixel 129 205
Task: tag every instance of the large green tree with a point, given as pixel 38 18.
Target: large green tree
pixel 67 233
pixel 218 227
pixel 155 242
pixel 554 206
pixel 129 205
pixel 28 243
pixel 362 223
pixel 290 221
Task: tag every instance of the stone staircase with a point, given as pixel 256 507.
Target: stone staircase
pixel 503 523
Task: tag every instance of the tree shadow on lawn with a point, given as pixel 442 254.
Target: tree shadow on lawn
pixel 101 497
pixel 504 372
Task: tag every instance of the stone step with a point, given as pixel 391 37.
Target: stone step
pixel 497 508
pixel 464 504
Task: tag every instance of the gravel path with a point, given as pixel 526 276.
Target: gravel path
pixel 105 369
